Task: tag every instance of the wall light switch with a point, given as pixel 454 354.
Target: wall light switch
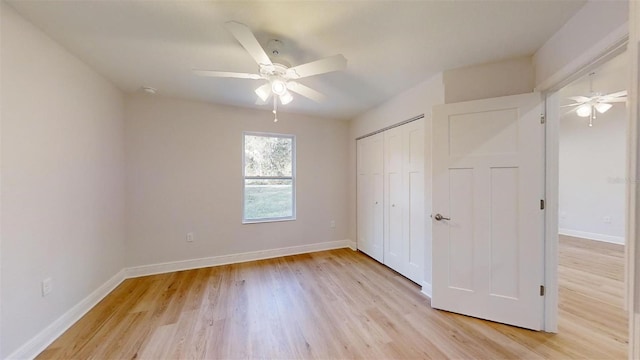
pixel 190 237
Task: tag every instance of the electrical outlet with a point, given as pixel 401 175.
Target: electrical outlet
pixel 47 286
pixel 190 237
pixel 607 219
pixel 332 224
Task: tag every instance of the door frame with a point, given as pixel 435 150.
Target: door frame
pixel 552 138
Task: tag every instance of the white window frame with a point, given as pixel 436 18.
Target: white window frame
pixel 292 177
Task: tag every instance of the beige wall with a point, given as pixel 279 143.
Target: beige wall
pixel 184 174
pixel 62 180
pixel 503 78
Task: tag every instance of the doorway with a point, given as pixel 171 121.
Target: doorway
pixel 592 132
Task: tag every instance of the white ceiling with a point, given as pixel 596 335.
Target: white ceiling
pixel 390 45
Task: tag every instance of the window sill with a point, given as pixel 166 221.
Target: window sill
pixel 261 221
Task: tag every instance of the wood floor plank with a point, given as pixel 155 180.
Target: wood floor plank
pixel 340 304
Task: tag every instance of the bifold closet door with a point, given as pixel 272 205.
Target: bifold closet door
pixel 394 254
pixel 370 191
pixel 391 198
pixel 413 221
pixel 404 199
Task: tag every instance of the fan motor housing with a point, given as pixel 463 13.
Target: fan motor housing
pixel 278 70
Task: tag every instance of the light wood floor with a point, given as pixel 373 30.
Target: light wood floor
pixel 339 304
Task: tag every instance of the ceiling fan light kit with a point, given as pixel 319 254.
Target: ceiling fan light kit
pixel 596 102
pixel 583 111
pixel 603 107
pixel 279 76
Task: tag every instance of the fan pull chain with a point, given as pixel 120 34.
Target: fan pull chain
pixel 593 109
pixel 275 109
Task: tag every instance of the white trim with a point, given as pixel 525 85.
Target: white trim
pixel 353 245
pixel 426 289
pixel 172 266
pixel 552 161
pixel 44 338
pixel 592 236
pixel 633 166
pixel 599 53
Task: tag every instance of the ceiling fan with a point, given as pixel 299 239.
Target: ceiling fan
pixel 596 103
pixel 280 77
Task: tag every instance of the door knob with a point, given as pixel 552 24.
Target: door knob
pixel 439 217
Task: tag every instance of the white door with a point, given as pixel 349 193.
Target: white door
pixel 488 183
pixel 413 200
pixel 404 199
pixel 370 196
pixel 394 256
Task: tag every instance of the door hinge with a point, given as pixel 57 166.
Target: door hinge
pixel 542 118
pixel 541 204
pixel 541 290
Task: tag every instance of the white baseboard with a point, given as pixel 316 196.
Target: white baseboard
pixel 44 338
pixel 172 266
pixel 426 289
pixel 592 236
pixel 353 245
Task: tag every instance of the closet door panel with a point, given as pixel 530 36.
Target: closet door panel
pixel 377 173
pixel 413 187
pixel 364 196
pixel 394 255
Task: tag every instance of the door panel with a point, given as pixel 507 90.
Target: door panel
pixel 394 245
pixel 413 195
pixel 488 179
pixel 370 196
pixel 377 163
pixel 461 244
pixel 504 232
pixel 364 195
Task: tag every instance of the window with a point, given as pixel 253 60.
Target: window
pixel 269 177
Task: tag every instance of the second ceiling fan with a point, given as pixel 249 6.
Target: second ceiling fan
pixel 280 77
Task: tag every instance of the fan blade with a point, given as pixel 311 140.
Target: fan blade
pixel 574 104
pixel 249 42
pixel 227 74
pixel 328 64
pixel 614 100
pixel 305 91
pixel 616 94
pixel 580 99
